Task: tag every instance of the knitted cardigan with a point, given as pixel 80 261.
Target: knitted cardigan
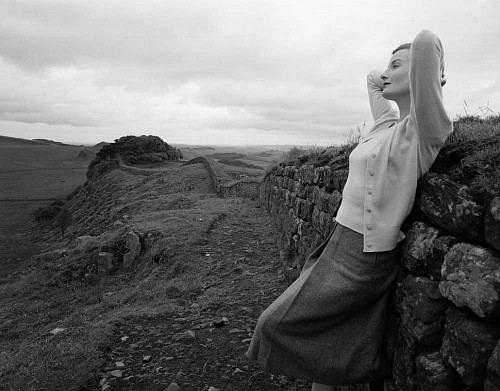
pixel 386 164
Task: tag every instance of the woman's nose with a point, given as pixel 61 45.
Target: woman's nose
pixel 383 76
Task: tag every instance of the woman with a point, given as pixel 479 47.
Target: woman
pixel 328 325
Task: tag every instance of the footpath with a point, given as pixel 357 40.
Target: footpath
pixel 202 347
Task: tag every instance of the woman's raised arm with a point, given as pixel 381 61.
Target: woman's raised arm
pixel 427 113
pixel 381 108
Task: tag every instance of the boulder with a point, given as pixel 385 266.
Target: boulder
pixel 417 247
pixel 468 344
pixel 471 278
pixel 423 310
pixel 440 247
pixel 87 243
pixel 449 205
pixel 493 369
pixel 150 238
pixel 405 353
pixel 492 223
pixel 434 375
pixel 105 262
pixel 133 245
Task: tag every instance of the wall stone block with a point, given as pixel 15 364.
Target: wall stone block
pixel 468 344
pixel 301 191
pixel 329 179
pixel 449 205
pixel 492 223
pixel 417 247
pixel 319 175
pixel 339 179
pixel 307 174
pixel 434 375
pixel 471 278
pixel 305 210
pixel 134 247
pixel 441 246
pixel 287 196
pixel 493 380
pixel 405 353
pixel 422 310
pixel 334 201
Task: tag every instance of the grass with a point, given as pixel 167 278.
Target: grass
pixel 471 155
pixel 65 292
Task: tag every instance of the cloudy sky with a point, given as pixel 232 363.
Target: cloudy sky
pixel 225 71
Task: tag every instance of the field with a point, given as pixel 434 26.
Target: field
pixel 207 254
pixel 32 175
pixel 35 173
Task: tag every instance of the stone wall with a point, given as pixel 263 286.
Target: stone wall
pixel 247 187
pixel 444 324
pixel 215 171
pixel 223 184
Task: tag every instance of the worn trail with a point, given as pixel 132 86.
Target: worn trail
pixel 203 346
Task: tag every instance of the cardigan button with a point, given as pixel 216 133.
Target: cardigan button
pixel 374 155
pixel 370 191
pixel 369 227
pixel 368 245
pixel 368 210
pixel 371 172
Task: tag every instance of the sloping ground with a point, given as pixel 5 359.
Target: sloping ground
pixel 203 344
pixel 183 311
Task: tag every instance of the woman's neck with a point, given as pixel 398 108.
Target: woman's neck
pixel 404 107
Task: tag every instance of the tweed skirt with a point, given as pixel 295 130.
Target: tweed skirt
pixel 328 326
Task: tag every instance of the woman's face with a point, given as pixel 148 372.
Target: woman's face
pixel 396 78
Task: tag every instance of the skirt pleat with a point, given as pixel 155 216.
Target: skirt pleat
pixel 328 326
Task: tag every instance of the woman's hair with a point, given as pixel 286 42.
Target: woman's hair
pixel 401 47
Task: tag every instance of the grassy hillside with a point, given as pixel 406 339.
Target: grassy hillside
pixel 32 174
pixel 179 205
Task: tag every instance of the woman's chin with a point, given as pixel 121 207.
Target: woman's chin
pixel 387 95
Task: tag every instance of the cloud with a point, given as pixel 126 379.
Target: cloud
pixel 214 67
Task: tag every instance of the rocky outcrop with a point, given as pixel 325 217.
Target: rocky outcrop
pixel 448 328
pixel 132 150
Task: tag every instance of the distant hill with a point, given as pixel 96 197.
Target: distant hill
pixel 11 141
pixel 5 140
pixel 52 142
pixel 96 148
pixel 86 154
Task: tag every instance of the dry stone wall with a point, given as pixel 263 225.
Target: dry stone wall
pixel 223 183
pixel 444 324
pixel 247 187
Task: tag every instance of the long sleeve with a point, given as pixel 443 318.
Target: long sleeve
pixel 382 111
pixel 379 106
pixel 427 112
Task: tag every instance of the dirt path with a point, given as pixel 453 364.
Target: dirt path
pixel 203 346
